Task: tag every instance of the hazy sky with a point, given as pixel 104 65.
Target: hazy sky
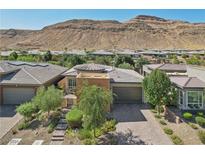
pixel 37 19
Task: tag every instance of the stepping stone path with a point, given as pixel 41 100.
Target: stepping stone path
pixel 15 141
pixel 60 130
pixel 38 142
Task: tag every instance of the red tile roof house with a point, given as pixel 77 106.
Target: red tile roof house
pixel 20 80
pixel 190 81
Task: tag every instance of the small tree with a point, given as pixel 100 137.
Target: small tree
pixel 93 102
pixel 13 56
pixel 157 88
pixel 47 56
pixel 48 100
pixel 140 62
pixel 26 110
pixel 126 66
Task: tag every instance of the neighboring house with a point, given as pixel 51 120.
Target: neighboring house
pixel 190 81
pixel 20 80
pixel 125 84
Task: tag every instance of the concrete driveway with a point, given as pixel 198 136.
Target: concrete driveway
pixel 8 119
pixel 137 125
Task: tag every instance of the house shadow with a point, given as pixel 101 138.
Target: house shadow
pixel 7 110
pixel 129 112
pixel 120 138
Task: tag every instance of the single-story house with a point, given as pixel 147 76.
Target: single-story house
pixel 20 80
pixel 125 84
pixel 189 80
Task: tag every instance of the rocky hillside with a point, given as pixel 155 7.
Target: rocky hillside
pixel 141 32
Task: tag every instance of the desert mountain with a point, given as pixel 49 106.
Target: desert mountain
pixel 141 32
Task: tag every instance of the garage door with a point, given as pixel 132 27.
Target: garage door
pixel 17 95
pixel 127 94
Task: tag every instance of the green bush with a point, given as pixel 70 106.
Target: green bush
pixel 154 111
pixel 168 131
pixel 99 132
pixel 192 125
pixel 160 108
pixel 109 126
pixel 85 134
pixel 158 116
pixel 26 109
pixel 201 114
pixel 23 125
pixel 176 140
pixel 201 135
pixel 70 133
pixel 200 120
pixel 187 115
pixel 55 117
pixel 89 141
pixel 74 117
pixel 162 122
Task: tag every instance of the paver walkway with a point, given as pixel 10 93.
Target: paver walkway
pixel 136 122
pixel 60 130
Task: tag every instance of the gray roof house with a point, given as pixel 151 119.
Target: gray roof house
pixel 125 84
pixel 19 80
pixel 188 79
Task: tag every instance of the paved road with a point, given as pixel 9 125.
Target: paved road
pixel 8 118
pixel 138 124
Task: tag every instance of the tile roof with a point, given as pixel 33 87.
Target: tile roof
pixel 187 82
pixel 168 67
pixel 91 67
pixel 29 73
pixel 116 74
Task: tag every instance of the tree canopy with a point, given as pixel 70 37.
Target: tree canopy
pixel 157 87
pixel 93 102
pixel 48 99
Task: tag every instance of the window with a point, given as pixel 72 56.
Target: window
pixel 180 97
pixel 71 84
pixel 195 99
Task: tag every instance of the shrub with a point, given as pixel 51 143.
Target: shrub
pixel 26 109
pixel 187 115
pixel 162 122
pixel 160 108
pixel 109 126
pixel 154 111
pixel 176 140
pixel 201 114
pixel 54 121
pixel 89 141
pixel 23 125
pixel 85 134
pixel 168 131
pixel 74 117
pixel 70 133
pixel 158 116
pixel 200 120
pixel 201 135
pixel 98 132
pixel 192 125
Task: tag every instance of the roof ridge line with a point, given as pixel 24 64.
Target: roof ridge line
pixel 187 81
pixel 31 75
pixel 160 66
